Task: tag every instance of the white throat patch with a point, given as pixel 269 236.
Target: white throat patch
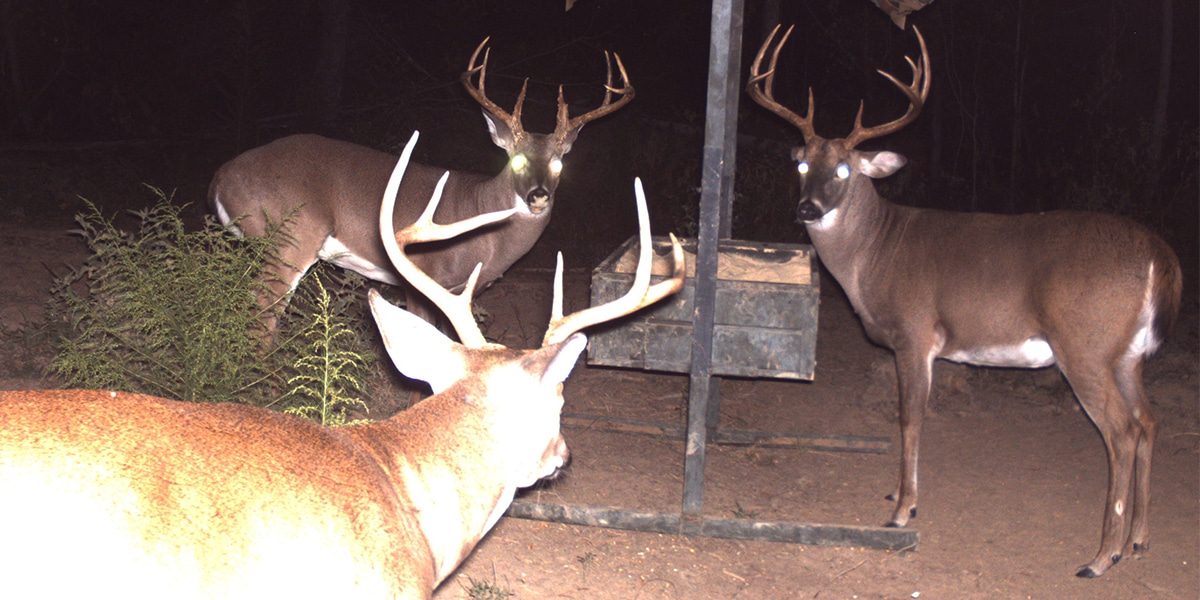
pixel 520 205
pixel 828 220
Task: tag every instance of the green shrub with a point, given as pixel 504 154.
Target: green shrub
pixel 173 313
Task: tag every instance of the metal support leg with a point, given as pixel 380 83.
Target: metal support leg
pixel 716 199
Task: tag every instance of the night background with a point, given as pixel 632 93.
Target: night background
pixel 1034 105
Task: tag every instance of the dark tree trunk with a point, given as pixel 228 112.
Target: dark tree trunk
pixel 1158 127
pixel 325 93
pixel 1015 154
pixel 19 120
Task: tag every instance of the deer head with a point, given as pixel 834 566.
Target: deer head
pixel 829 168
pixel 492 371
pixel 535 160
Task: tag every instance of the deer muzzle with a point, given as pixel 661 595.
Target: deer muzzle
pixel 538 200
pixel 808 211
pixel 557 458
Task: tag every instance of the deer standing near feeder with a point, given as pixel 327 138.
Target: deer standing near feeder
pixel 1091 293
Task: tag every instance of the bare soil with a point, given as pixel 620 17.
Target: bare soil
pixel 1013 474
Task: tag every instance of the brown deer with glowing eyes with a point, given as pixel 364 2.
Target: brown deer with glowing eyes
pixel 1091 293
pixel 149 498
pixel 328 191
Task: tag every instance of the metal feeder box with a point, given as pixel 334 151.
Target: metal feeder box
pixel 766 312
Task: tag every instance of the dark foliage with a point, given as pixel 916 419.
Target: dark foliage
pixel 1035 106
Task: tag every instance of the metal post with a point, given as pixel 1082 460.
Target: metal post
pixel 716 194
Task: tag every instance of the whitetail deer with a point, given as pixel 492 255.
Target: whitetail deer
pixel 326 193
pixel 1093 293
pixel 153 498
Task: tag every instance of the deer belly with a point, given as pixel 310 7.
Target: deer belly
pixel 335 252
pixel 1033 353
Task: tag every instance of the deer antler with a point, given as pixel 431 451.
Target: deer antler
pixel 479 93
pixel 626 94
pixel 916 99
pixel 760 87
pixel 565 125
pixel 642 294
pixel 457 308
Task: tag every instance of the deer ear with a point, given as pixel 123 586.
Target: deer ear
pixel 880 164
pixel 417 348
pixel 568 138
pixel 555 361
pixel 501 134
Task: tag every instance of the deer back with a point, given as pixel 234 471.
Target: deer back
pixel 325 188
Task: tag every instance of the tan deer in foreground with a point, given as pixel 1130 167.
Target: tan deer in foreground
pixel 107 493
pixel 328 191
pixel 1092 293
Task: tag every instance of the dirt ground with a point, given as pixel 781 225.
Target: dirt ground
pixel 1013 474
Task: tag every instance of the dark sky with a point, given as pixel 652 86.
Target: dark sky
pixel 1035 105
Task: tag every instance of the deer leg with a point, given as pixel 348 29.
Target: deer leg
pixel 1129 380
pixel 284 267
pixel 914 370
pixel 1101 398
pixel 280 276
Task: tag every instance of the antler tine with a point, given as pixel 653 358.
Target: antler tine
pixel 479 93
pixel 626 93
pixel 608 84
pixel 761 87
pixel 640 295
pixel 457 308
pixel 916 99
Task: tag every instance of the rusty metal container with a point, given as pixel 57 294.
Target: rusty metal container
pixel 766 312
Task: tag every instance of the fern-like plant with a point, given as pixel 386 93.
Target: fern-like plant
pixel 165 311
pixel 331 365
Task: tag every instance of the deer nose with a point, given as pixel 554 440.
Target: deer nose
pixel 808 211
pixel 562 455
pixel 538 200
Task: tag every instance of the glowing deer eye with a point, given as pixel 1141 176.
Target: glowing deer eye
pixel 843 171
pixel 802 168
pixel 556 166
pixel 519 162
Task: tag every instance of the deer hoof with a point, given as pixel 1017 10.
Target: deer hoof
pixel 1092 572
pixel 898 521
pixel 1140 550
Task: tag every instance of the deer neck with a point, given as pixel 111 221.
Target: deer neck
pixel 467 195
pixel 519 233
pixel 432 452
pixel 521 230
pixel 862 230
pixel 500 193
